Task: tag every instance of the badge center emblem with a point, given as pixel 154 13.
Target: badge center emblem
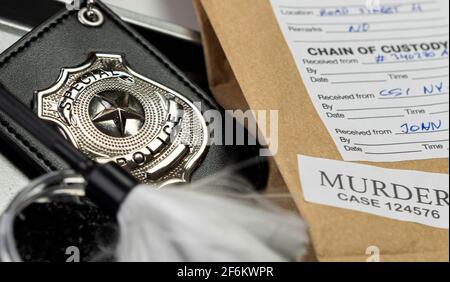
pixel 117 114
pixel 113 114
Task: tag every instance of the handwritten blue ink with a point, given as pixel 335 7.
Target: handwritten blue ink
pixel 395 92
pixel 421 127
pixel 413 56
pixel 433 88
pixel 363 27
pixel 417 7
pixel 333 12
pixel 384 10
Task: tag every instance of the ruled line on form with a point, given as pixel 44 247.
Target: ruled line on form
pixel 359 81
pixel 413 96
pixel 440 112
pixel 356 6
pixel 391 108
pixel 393 153
pixel 423 132
pixel 434 19
pixel 385 71
pixel 371 39
pixel 408 61
pixel 375 117
pixel 393 14
pixel 393 29
pixel 401 143
pixel 431 77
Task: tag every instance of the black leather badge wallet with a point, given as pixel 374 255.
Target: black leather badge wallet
pixel 116 98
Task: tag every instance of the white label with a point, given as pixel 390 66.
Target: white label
pixel 376 71
pixel 398 194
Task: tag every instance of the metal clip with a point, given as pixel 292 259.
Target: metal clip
pixel 90 15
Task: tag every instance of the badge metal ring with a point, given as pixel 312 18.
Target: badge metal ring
pixel 95 18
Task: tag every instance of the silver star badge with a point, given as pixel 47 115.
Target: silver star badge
pixel 113 114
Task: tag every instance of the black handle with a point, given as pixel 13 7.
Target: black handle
pixel 108 185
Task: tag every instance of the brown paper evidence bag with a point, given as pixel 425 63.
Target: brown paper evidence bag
pixel 250 66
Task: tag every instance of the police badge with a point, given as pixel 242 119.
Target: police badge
pixel 127 103
pixel 111 113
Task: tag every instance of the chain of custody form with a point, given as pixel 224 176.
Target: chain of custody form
pixel 376 71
